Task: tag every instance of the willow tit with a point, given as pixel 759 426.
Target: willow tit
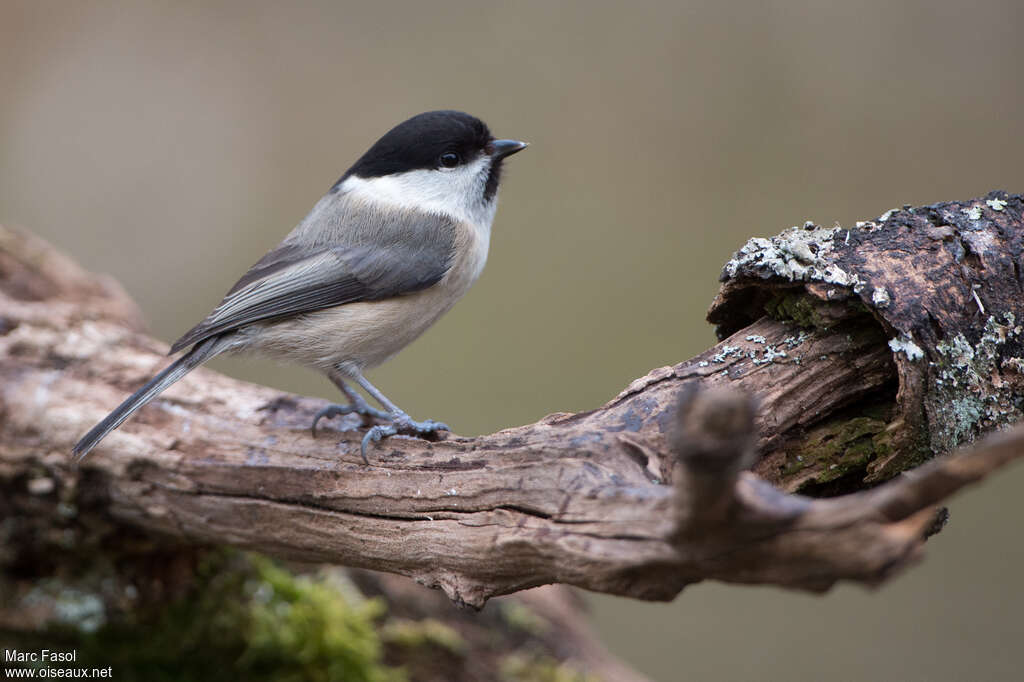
pixel 388 250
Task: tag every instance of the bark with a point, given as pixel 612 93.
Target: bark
pixel 847 357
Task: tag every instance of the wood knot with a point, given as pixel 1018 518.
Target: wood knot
pixel 714 431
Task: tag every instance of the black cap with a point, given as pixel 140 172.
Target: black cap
pixel 419 143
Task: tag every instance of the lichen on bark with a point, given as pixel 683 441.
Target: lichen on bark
pixel 920 276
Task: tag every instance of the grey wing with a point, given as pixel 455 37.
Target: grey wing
pixel 294 279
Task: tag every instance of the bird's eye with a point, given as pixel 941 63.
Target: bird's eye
pixel 449 159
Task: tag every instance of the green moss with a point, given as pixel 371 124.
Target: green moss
pixel 797 307
pixel 424 634
pixel 838 448
pixel 520 617
pixel 883 443
pixel 303 628
pixel 525 668
pixel 809 312
pixel 246 618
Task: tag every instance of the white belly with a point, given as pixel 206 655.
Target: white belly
pixel 363 335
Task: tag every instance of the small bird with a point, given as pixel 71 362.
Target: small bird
pixel 389 249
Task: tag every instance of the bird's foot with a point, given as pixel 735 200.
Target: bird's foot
pixel 357 406
pixel 401 423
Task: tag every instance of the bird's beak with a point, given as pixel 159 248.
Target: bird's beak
pixel 502 148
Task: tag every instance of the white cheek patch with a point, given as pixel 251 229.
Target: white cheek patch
pixel 457 192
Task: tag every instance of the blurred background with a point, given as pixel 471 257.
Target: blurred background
pixel 172 143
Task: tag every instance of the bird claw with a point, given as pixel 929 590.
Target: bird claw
pixel 358 407
pixel 374 435
pixel 401 423
pixel 405 423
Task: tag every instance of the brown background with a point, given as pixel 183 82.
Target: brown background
pixel 172 143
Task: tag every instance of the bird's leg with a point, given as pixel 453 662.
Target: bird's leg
pixel 400 421
pixel 357 404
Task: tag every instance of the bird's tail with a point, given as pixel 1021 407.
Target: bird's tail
pixel 182 366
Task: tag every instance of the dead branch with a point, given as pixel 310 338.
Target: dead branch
pixel 865 351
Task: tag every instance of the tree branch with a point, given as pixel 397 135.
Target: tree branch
pixel 639 497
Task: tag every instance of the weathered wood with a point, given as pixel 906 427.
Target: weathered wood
pixel 592 499
pixel 945 285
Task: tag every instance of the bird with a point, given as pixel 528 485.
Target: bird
pixel 391 247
